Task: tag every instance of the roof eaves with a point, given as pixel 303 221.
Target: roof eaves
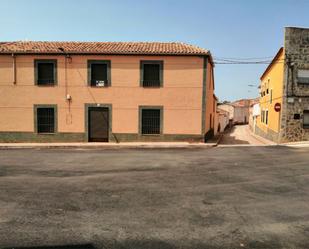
pixel 272 62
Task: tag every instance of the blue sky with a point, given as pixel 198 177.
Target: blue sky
pixel 240 28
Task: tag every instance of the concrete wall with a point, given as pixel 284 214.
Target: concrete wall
pixel 180 96
pixel 241 115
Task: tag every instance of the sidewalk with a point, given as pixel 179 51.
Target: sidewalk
pixel 125 145
pixel 261 139
pixel 300 144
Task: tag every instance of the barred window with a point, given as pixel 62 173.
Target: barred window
pixel 45 72
pixel 151 121
pixel 152 73
pixel 45 120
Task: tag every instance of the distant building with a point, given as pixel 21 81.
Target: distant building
pixel 238 111
pixel 241 111
pixel 229 109
pixel 254 113
pixel 223 119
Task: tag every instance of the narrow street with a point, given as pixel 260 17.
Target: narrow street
pixel 241 134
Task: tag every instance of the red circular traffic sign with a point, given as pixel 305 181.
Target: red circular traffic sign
pixel 277 107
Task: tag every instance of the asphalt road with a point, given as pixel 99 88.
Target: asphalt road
pixel 224 197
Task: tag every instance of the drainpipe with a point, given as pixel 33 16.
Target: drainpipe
pixel 14 68
pixel 66 57
pixel 66 76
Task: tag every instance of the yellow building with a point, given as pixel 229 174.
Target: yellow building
pixel 285 85
pixel 271 93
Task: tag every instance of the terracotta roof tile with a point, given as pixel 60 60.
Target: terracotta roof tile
pixel 148 48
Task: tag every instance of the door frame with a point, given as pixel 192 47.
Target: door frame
pixel 98 105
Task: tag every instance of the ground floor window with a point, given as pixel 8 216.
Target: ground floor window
pixel 45 118
pixel 306 119
pixel 151 121
pixel 266 117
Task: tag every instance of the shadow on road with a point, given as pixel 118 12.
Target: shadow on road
pixel 156 244
pixel 230 138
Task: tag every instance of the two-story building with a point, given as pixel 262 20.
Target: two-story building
pixel 284 91
pixel 105 91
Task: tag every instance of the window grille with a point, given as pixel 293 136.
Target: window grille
pixel 151 121
pixel 45 120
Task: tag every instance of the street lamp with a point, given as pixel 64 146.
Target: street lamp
pixel 253 85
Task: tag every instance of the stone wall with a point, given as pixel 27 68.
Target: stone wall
pixel 296 95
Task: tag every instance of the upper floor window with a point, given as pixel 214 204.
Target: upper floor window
pixel 99 74
pixel 151 120
pixel 45 72
pixel 303 76
pixel 152 73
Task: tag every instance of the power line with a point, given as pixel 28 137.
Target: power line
pixel 239 61
pixel 244 58
pixel 247 62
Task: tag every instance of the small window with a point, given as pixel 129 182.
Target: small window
pixel 151 121
pixel 303 76
pixel 296 116
pixel 99 73
pixel 151 73
pixel 267 91
pixel 45 72
pixel 306 119
pixel 45 120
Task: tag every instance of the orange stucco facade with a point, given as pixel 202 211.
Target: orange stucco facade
pixel 181 97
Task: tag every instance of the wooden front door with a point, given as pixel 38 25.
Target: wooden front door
pixel 98 124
